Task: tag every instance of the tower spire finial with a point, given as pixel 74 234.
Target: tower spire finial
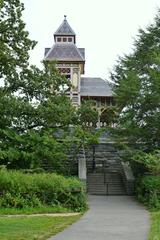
pixel 65 16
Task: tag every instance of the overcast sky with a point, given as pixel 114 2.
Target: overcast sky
pixel 105 28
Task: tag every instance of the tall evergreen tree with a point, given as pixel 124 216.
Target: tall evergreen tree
pixel 137 90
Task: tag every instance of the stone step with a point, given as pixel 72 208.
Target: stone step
pixel 107 174
pixel 105 162
pixel 94 183
pixel 113 187
pixel 105 188
pixel 107 192
pixel 103 151
pixel 110 183
pixel 101 192
pixel 108 177
pixel 104 148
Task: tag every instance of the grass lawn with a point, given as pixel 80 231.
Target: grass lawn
pixel 155 226
pixel 33 228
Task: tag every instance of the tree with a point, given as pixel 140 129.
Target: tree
pixel 36 114
pixel 14 44
pixel 87 115
pixel 137 91
pixel 33 104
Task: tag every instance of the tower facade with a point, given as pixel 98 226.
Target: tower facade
pixel 70 60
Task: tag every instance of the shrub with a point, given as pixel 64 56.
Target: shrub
pixel 40 189
pixel 148 191
pixel 150 160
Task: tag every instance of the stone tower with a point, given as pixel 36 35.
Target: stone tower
pixel 70 59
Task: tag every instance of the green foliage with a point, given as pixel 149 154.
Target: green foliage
pixel 14 43
pixel 87 114
pixel 148 191
pixel 150 160
pixel 19 190
pixel 137 90
pixel 140 161
pixel 82 137
pixel 35 112
pixel 109 115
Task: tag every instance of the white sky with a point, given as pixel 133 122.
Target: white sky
pixel 105 28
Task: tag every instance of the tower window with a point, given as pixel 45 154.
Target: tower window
pixel 68 76
pixel 64 70
pixel 58 39
pixel 69 39
pixel 64 39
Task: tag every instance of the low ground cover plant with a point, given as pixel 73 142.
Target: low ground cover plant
pixel 20 190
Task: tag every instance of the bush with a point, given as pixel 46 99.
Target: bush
pixel 148 191
pixel 21 190
pixel 150 160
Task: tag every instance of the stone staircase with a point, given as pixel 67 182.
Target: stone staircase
pixel 104 171
pixel 105 184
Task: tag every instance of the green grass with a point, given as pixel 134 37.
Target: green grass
pixel 12 211
pixel 155 226
pixel 33 228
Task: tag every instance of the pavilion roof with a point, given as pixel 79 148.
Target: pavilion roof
pixel 95 87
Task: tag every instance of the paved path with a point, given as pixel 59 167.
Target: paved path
pixel 109 218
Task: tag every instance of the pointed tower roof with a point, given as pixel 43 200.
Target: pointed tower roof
pixel 64 29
